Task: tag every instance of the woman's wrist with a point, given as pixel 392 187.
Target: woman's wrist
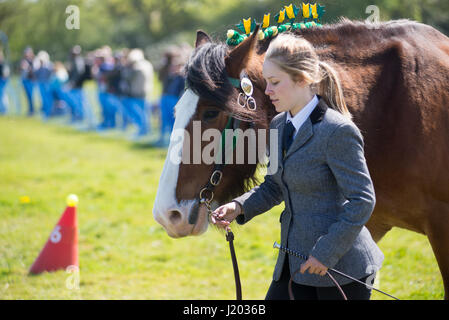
pixel 238 208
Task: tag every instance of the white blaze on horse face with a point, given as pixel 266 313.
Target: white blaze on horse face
pixel 166 203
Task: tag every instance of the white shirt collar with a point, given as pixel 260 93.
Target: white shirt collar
pixel 302 115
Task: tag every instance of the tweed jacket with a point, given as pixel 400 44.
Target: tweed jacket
pixel 329 196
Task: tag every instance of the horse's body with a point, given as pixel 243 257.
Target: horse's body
pixel 395 79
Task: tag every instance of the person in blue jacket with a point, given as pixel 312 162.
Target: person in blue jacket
pixel 4 75
pixel 173 83
pixel 43 72
pixel 139 83
pixel 27 77
pixel 79 71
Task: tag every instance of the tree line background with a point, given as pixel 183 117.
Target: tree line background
pixel 152 24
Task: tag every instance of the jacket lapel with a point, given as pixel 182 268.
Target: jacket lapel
pixel 303 135
pixel 306 130
pixel 280 128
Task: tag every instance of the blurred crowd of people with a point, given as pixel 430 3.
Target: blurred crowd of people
pixel 4 75
pixel 124 84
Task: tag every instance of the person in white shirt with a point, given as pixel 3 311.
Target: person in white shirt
pixel 322 178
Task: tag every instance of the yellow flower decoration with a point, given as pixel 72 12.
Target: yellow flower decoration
pixel 281 16
pixel 266 20
pixel 314 11
pixel 305 10
pixel 285 20
pixel 247 25
pixel 289 11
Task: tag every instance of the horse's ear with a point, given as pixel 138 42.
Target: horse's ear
pixel 201 38
pixel 238 58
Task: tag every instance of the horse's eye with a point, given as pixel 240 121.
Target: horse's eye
pixel 210 114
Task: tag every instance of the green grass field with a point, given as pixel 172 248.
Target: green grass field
pixel 123 252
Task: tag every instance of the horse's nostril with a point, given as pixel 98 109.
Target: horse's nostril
pixel 174 216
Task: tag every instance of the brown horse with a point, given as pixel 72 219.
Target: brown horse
pixel 395 79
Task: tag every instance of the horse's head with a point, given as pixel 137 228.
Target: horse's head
pixel 201 115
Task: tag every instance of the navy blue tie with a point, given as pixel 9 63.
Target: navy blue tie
pixel 287 137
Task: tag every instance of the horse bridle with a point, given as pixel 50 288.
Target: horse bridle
pixel 244 85
pixel 206 194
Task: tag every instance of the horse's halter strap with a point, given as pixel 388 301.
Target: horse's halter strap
pixel 235 82
pixel 244 99
pixel 207 193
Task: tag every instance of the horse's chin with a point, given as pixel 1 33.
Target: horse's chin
pixel 202 223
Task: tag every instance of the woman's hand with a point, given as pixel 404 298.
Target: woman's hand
pixel 224 215
pixel 314 266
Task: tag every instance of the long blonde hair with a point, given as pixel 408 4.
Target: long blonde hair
pixel 297 57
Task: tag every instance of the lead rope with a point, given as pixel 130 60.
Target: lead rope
pixel 230 239
pixel 238 285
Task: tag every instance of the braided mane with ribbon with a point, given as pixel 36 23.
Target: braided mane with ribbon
pixel 285 20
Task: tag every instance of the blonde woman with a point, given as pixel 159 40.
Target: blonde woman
pixel 322 178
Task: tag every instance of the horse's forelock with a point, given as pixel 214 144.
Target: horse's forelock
pixel 206 73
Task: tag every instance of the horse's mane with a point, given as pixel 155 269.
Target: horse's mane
pixel 206 70
pixel 354 36
pixel 346 28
